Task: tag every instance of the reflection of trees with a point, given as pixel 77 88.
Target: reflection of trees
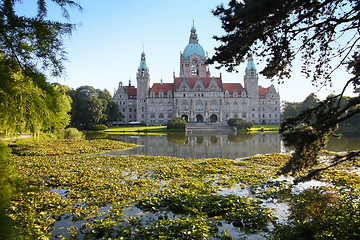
pixel 199 139
pixel 95 135
pixel 213 139
pixel 240 137
pixel 177 138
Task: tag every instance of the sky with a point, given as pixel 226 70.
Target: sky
pixel 110 35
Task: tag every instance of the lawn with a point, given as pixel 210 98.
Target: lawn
pixel 267 128
pixel 137 129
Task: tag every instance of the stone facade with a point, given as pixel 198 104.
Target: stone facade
pixel 195 96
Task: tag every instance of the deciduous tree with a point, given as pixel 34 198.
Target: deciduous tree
pixel 324 33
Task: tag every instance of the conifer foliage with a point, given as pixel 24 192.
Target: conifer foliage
pixel 325 34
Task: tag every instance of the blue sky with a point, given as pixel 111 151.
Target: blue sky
pixel 111 34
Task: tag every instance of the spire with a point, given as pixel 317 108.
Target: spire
pixel 193 36
pixel 250 64
pixel 129 82
pixel 142 61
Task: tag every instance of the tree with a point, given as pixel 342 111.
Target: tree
pixel 112 112
pixel 176 123
pixel 92 106
pixel 29 106
pixel 240 123
pixel 30 46
pixel 325 33
pixel 87 109
pixel 34 41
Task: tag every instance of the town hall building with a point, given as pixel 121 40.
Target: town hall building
pixel 195 95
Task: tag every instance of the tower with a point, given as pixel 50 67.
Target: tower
pixel 251 80
pixel 143 83
pixel 193 59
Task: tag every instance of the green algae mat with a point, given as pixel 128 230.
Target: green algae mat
pixel 65 191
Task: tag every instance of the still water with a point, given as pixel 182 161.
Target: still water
pixel 209 145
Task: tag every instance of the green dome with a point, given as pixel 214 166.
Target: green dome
pixel 192 48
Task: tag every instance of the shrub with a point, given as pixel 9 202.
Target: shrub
pixel 176 123
pixel 69 133
pixel 98 127
pixel 239 123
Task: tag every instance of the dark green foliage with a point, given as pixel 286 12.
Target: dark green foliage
pixel 239 123
pixel 325 34
pixel 34 41
pixel 320 215
pixel 176 123
pixel 91 106
pixel 99 127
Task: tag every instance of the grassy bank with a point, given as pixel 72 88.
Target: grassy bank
pixel 76 195
pixel 265 128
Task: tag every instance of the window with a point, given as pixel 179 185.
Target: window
pixel 235 94
pixel 142 109
pixel 199 106
pixel 236 107
pixel 152 94
pixel 161 116
pixel 161 94
pixel 243 106
pixel 130 109
pixel 169 94
pixel 227 107
pixel 226 93
pixel 213 106
pixel 184 106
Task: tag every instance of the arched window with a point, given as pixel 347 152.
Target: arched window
pixel 235 94
pixel 243 106
pixel 169 94
pixel 199 106
pixel 184 106
pixel 152 94
pixel 213 106
pixel 227 107
pixel 236 107
pixel 198 88
pixel 226 93
pixel 161 94
pixel 161 107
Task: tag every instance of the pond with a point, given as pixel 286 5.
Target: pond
pixel 210 145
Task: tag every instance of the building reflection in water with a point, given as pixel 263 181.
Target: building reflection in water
pixel 201 145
